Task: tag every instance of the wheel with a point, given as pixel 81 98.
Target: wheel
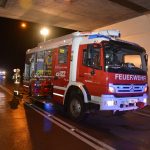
pixel 75 107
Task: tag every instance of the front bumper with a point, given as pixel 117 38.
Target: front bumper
pixel 110 102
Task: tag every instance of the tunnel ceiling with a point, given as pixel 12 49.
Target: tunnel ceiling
pixel 79 15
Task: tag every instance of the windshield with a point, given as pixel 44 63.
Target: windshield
pixel 124 58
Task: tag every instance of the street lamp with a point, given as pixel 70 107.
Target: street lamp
pixel 23 25
pixel 44 32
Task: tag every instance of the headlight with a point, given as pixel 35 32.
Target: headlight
pixel 110 103
pixel 145 89
pixel 145 100
pixel 111 89
pixel 4 73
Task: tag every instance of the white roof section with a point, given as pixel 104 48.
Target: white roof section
pixel 87 38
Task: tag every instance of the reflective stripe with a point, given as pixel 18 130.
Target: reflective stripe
pixel 58 94
pixel 60 88
pixel 16 92
pixel 25 86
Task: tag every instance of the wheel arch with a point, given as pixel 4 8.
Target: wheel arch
pixel 79 88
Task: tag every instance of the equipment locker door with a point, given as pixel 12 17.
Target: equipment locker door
pixel 61 72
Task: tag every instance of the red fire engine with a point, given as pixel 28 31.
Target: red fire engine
pixel 87 69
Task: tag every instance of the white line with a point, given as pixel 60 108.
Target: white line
pixel 82 136
pixel 142 114
pixel 58 94
pixel 6 90
pixel 59 88
pixel 26 86
pixel 71 132
pixel 83 133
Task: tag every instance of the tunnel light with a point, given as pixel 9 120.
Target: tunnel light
pixel 44 32
pixel 23 25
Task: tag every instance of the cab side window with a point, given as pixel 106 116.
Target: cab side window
pixel 62 55
pixel 29 66
pixel 40 63
pixel 48 62
pixel 91 56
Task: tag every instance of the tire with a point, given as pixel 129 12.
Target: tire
pixel 76 107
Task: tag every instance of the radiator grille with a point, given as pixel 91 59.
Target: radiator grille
pixel 129 88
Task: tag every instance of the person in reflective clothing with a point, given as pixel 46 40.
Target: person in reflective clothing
pixel 16 78
pixel 16 97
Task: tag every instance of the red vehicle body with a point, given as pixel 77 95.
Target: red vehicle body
pixel 81 70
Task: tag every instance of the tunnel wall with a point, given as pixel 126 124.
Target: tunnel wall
pixel 135 30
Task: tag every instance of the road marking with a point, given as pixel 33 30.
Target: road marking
pixel 142 114
pixel 58 94
pixel 91 141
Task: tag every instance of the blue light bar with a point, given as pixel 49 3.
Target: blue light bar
pixel 98 36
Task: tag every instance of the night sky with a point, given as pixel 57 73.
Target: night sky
pixel 16 40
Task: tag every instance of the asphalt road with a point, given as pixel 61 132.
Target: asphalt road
pixel 40 126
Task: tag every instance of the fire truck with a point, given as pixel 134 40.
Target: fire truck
pixel 86 70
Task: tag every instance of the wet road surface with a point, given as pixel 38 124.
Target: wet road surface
pixel 25 129
pixel 14 133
